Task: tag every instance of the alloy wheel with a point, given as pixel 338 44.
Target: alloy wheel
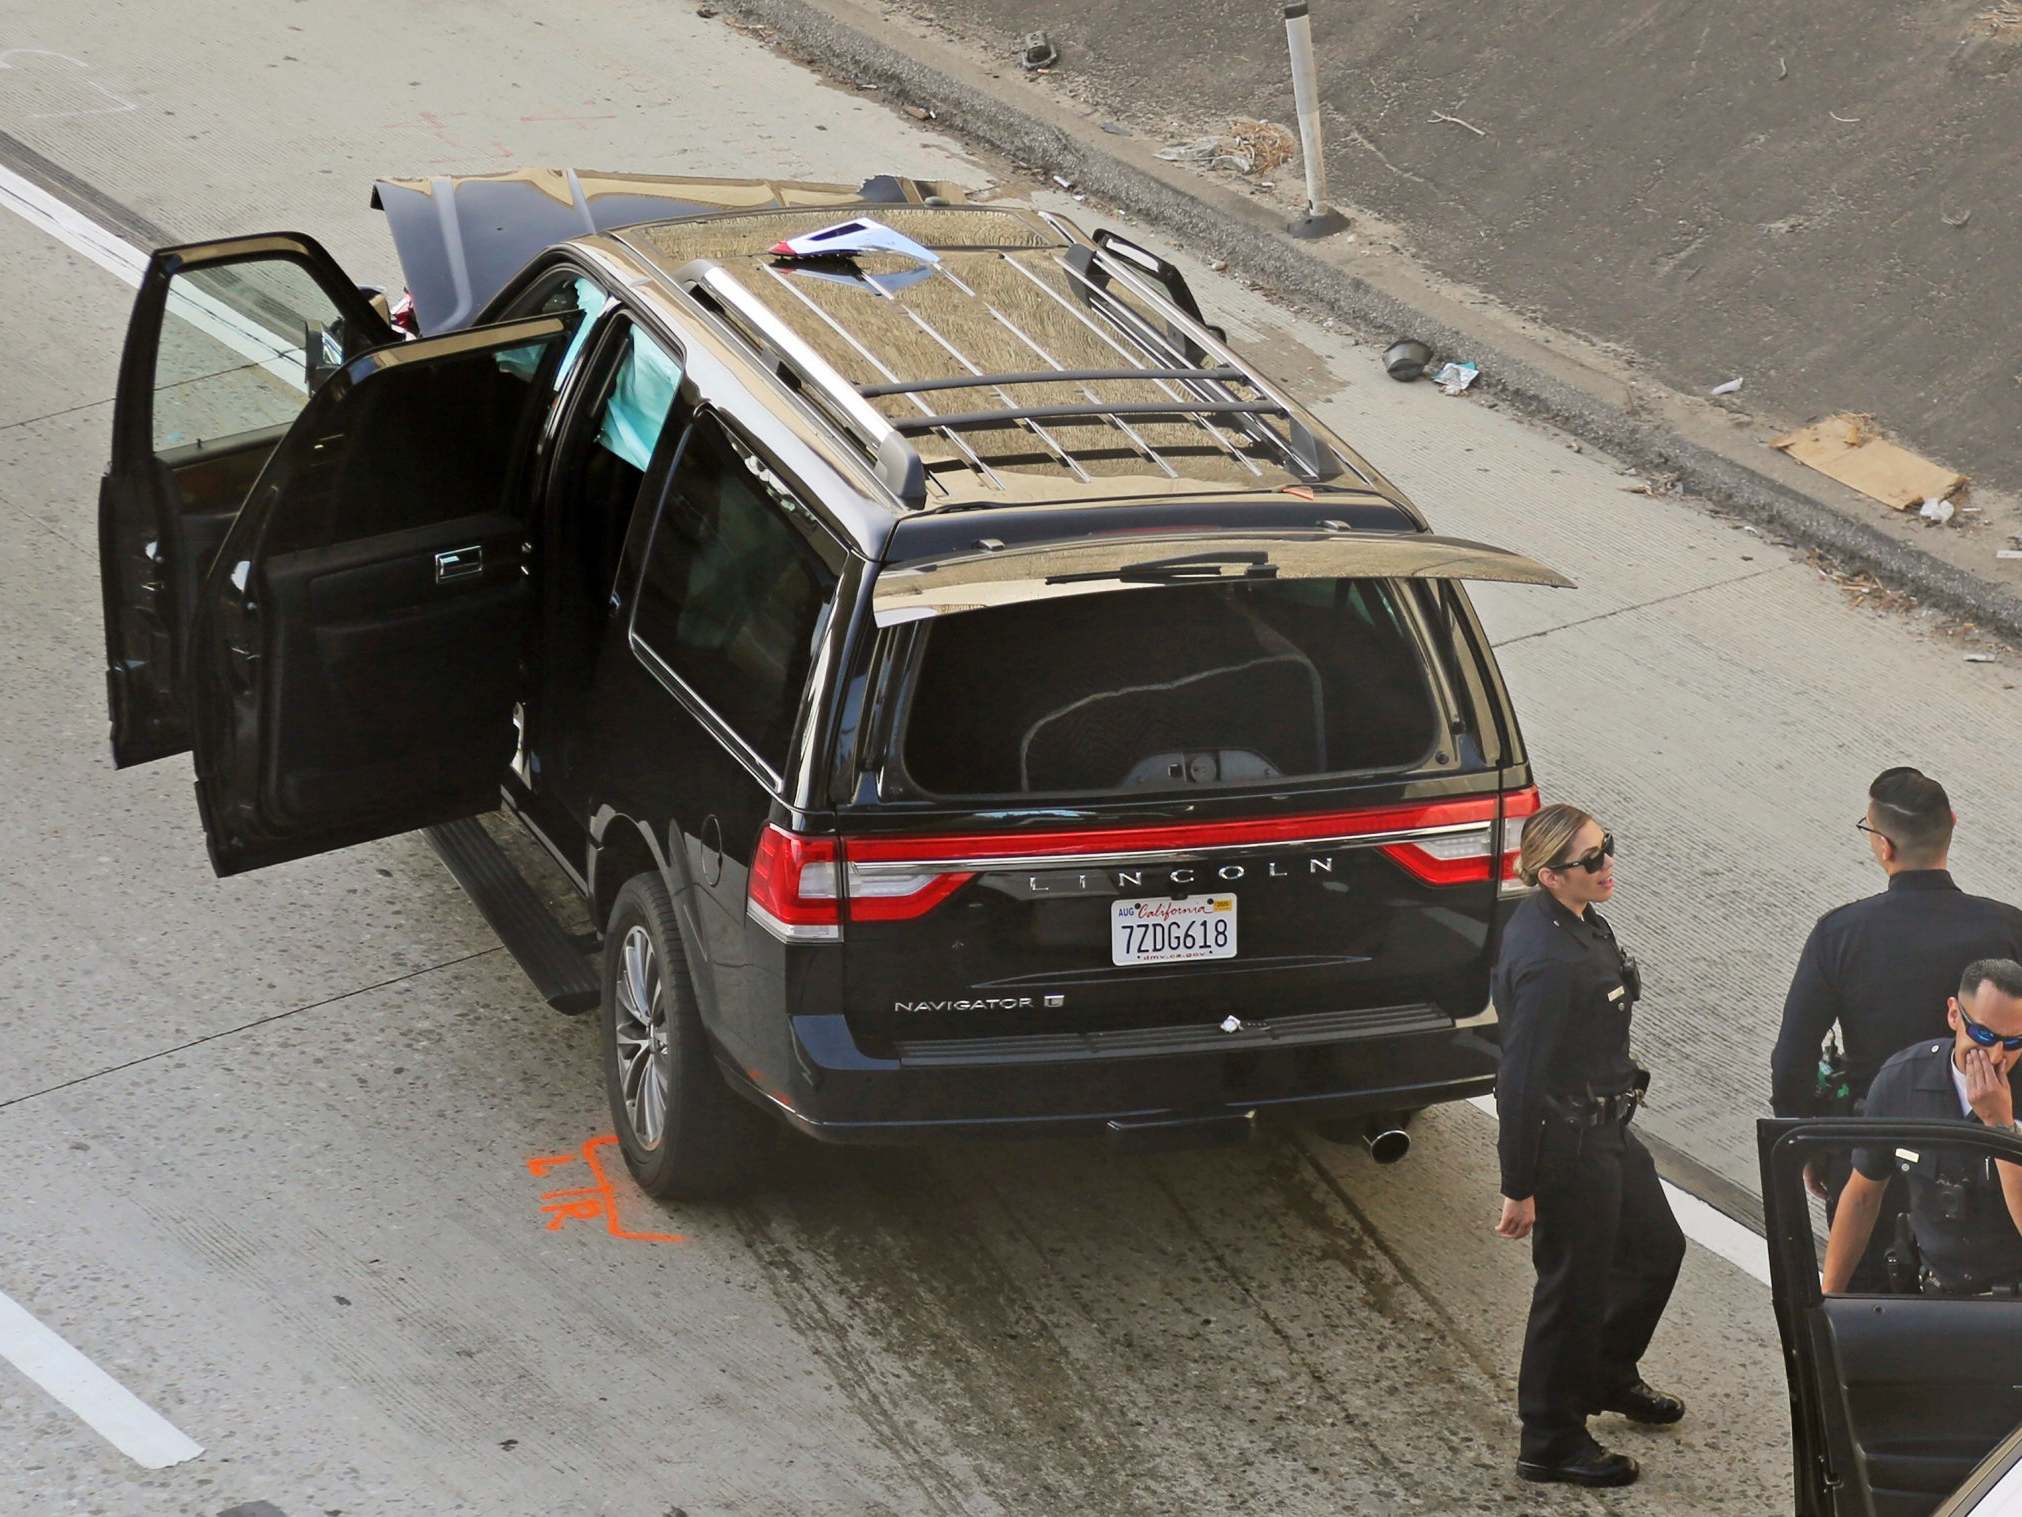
pixel 645 1054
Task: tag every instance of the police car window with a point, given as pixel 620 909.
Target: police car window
pixel 732 593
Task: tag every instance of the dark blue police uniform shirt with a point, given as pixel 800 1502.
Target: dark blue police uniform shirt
pixel 1882 968
pixel 1917 1085
pixel 1564 1010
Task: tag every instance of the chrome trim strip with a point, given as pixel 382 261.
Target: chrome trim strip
pixel 1486 1017
pixel 682 691
pixel 790 932
pixel 982 863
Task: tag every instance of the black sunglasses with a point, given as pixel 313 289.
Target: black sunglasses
pixel 1986 1037
pixel 1590 862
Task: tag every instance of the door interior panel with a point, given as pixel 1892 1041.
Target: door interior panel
pixel 397 681
pixel 1926 1387
pixel 205 486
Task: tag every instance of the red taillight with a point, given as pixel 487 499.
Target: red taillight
pixel 882 896
pixel 792 888
pixel 1455 847
pixel 895 879
pixel 1517 807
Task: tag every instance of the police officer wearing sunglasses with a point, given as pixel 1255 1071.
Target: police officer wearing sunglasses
pixel 1965 1212
pixel 1881 968
pixel 1574 1179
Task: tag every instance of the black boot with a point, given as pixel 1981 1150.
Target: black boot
pixel 1589 1465
pixel 1640 1402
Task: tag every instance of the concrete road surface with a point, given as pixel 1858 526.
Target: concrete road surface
pixel 276 1147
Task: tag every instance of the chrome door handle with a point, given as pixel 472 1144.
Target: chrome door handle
pixel 459 563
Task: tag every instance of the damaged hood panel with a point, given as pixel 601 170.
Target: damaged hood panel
pixel 462 238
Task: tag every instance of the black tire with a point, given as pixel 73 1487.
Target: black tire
pixel 709 1143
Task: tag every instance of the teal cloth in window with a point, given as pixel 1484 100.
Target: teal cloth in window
pixel 640 401
pixel 588 299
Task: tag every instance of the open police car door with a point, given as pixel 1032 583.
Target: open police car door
pixel 226 343
pixel 357 642
pixel 1894 1398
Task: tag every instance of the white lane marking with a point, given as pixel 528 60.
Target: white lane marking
pixel 108 1408
pixel 1712 1230
pixel 119 103
pixel 122 259
pixel 71 227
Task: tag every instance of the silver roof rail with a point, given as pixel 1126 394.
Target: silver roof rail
pixel 896 460
pixel 1093 267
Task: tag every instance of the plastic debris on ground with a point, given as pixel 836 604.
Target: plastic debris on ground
pixel 1939 511
pixel 1979 658
pixel 2008 553
pixel 1454 378
pixel 1727 389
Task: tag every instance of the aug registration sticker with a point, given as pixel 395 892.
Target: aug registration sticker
pixel 1161 931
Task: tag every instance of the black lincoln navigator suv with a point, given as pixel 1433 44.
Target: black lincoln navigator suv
pixel 968 696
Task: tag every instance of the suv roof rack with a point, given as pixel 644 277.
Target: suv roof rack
pixel 1188 363
pixel 1093 268
pixel 896 461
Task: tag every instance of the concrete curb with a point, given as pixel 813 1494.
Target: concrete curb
pixel 1532 378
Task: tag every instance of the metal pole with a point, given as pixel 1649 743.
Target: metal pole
pixel 1319 220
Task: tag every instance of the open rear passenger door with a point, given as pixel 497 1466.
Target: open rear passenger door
pixel 226 343
pixel 1895 1399
pixel 357 644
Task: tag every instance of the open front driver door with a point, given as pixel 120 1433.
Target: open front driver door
pixel 1894 1398
pixel 357 643
pixel 226 343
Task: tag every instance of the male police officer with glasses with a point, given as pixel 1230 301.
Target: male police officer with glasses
pixel 1881 968
pixel 1965 1211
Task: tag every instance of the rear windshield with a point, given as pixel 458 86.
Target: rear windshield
pixel 1171 688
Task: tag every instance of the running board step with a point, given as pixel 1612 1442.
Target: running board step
pixel 566 980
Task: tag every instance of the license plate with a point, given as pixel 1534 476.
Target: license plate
pixel 1163 931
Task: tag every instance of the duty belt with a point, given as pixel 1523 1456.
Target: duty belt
pixel 1596 1111
pixel 1966 1282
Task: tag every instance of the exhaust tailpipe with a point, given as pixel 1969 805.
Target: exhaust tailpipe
pixel 1386 1139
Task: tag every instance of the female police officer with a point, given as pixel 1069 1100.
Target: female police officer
pixel 1574 1180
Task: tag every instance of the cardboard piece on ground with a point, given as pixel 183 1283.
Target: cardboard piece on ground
pixel 1846 448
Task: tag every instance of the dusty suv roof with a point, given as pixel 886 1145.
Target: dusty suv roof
pixel 1146 393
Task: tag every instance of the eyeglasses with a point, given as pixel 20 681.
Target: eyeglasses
pixel 1986 1037
pixel 1874 832
pixel 1590 862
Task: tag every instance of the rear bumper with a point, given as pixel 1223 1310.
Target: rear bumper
pixel 1294 1069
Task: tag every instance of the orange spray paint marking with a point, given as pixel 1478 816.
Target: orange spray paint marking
pixel 588 1202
